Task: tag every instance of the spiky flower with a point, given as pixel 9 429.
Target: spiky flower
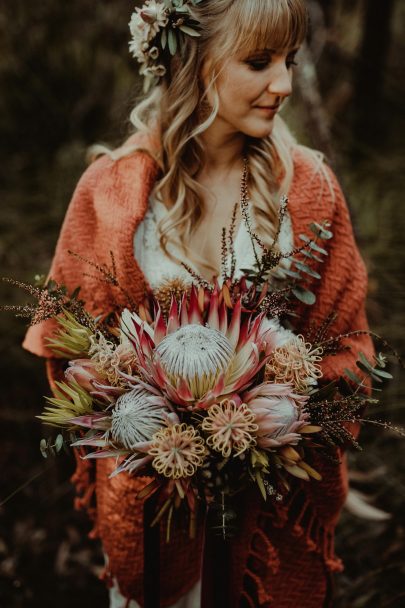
pixel 70 401
pixel 198 355
pixel 231 428
pixel 177 450
pixel 137 415
pixel 295 362
pixel 72 339
pixel 279 414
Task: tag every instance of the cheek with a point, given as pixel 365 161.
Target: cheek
pixel 236 95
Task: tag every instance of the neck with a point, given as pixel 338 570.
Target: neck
pixel 223 149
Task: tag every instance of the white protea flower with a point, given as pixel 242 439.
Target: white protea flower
pixel 195 361
pixel 196 353
pixel 137 415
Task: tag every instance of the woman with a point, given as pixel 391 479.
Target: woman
pixel 163 198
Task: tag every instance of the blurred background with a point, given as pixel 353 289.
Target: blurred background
pixel 66 82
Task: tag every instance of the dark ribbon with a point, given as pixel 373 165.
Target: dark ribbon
pixel 215 580
pixel 215 577
pixel 151 554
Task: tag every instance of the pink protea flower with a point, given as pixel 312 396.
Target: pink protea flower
pixel 195 362
pixel 279 414
pixel 231 427
pixel 84 372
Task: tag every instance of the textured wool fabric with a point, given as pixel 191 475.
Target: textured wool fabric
pixel 283 554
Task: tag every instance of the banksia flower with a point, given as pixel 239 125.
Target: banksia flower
pixel 231 428
pixel 169 290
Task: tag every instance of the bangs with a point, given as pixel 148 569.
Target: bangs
pixel 273 24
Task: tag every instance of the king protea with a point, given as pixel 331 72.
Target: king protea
pixel 200 353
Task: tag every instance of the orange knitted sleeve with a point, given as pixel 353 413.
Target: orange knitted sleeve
pixel 343 288
pixel 76 234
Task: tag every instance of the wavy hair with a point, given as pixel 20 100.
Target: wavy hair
pixel 178 106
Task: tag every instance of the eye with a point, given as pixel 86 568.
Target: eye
pixel 290 61
pixel 258 64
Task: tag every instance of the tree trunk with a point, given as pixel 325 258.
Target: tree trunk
pixel 369 109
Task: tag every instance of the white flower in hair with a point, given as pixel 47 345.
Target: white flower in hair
pixel 156 28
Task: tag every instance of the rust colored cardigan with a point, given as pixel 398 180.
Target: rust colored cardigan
pixel 284 555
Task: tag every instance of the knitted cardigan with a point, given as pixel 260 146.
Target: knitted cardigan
pixel 283 555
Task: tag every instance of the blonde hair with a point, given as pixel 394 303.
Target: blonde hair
pixel 177 107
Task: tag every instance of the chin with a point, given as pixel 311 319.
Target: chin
pixel 260 130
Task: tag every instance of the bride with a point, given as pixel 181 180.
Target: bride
pixel 217 74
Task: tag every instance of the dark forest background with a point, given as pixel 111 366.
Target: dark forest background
pixel 66 82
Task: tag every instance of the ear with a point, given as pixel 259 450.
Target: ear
pixel 206 73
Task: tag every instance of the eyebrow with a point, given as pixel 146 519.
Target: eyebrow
pixel 274 51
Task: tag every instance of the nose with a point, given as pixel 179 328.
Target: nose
pixel 280 83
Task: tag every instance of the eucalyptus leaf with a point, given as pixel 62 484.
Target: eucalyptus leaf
pixel 312 256
pixel 316 247
pixel 345 388
pixel 304 295
pixel 189 31
pixel 172 40
pixel 366 362
pixel 382 374
pixel 163 38
pixel 307 270
pixel 43 446
pixel 59 443
pixel 353 377
pixel 368 371
pixel 291 273
pixel 320 231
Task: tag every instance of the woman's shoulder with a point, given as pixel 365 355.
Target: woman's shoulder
pixel 135 158
pixel 314 177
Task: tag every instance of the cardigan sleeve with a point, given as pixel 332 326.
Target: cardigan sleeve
pixel 77 228
pixel 343 289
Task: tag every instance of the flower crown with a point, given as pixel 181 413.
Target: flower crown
pixel 159 28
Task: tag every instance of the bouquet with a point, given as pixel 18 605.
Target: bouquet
pixel 205 389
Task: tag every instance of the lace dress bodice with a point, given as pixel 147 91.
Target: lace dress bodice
pixel 157 266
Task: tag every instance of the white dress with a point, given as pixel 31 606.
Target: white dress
pixel 157 267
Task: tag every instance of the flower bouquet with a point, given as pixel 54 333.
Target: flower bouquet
pixel 201 389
